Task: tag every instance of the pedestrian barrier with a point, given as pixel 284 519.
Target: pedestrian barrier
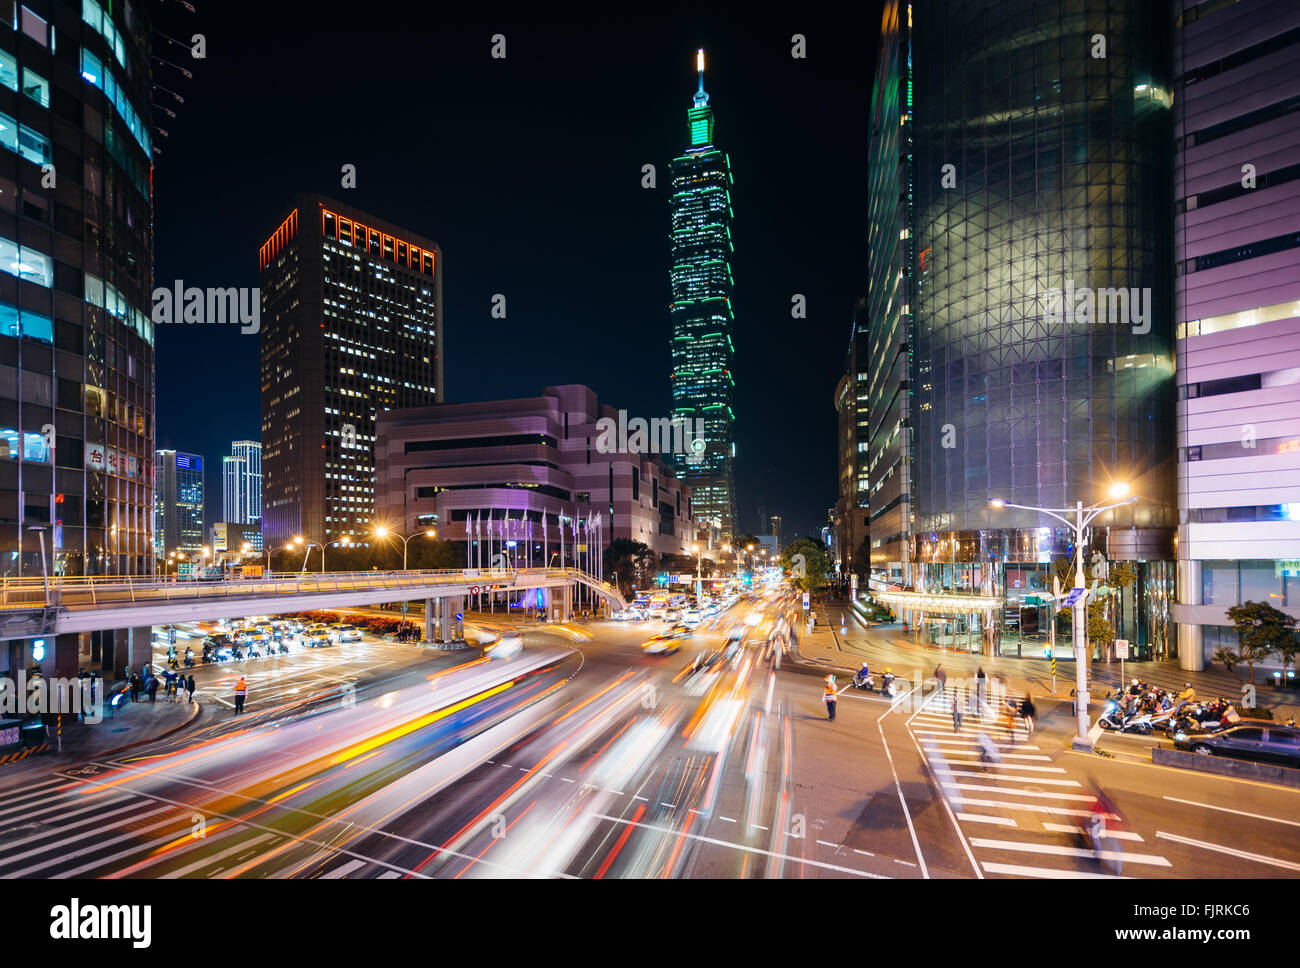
pixel 1227 766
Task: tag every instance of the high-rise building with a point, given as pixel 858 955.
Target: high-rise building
pixel 702 317
pixel 178 503
pixel 774 527
pixel 1042 309
pixel 351 326
pixel 852 515
pixel 881 373
pixel 76 273
pixel 1237 302
pixel 241 483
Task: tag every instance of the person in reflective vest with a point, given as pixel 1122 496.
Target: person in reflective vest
pixel 829 696
pixel 241 693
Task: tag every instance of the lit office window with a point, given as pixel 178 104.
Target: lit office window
pixel 36 87
pixel 8 70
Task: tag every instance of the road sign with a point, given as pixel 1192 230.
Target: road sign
pixel 805 600
pixel 1121 648
pixel 1073 597
pixel 473 589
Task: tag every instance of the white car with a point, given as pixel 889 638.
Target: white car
pixel 345 633
pixel 508 644
pixel 692 616
pixel 673 615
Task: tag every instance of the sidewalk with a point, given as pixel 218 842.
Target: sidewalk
pixel 889 645
pixel 131 725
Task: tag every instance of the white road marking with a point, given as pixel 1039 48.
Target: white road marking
pixel 728 819
pixel 1078 798
pixel 1240 813
pixel 1046 872
pixel 1069 828
pixel 1060 851
pixel 343 871
pixel 984 818
pixel 1232 851
pixel 741 847
pixel 998 766
pixel 1005 776
pixel 204 861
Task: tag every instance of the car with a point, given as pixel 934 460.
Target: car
pixel 661 643
pixel 692 616
pixel 506 645
pixel 255 635
pixel 1261 740
pixel 315 635
pixel 673 615
pixel 342 632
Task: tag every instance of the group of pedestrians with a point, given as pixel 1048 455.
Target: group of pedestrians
pixel 178 684
pixel 1007 710
pixel 177 687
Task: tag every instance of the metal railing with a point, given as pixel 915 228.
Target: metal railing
pixel 98 590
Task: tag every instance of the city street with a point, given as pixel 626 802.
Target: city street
pixel 374 759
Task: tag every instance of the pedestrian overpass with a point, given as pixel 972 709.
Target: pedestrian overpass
pixel 60 605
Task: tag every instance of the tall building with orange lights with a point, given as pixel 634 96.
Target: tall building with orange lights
pixel 351 326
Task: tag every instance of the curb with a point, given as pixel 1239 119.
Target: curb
pixel 198 708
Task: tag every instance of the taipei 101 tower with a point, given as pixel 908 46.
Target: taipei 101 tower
pixel 703 352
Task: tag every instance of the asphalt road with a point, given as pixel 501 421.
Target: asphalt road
pixel 584 757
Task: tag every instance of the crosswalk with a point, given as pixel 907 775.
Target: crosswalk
pixel 1023 816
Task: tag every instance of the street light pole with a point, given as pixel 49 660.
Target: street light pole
pixel 1079 618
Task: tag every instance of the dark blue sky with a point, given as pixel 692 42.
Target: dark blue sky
pixel 527 172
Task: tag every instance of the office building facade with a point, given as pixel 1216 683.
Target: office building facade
pixel 241 483
pixel 703 353
pixel 178 503
pixel 851 519
pixel 351 327
pixel 532 471
pixel 1041 334
pixel 76 339
pixel 881 371
pixel 1237 297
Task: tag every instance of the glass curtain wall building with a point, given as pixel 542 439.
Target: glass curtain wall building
pixel 1042 308
pixel 886 324
pixel 76 264
pixel 703 354
pixel 241 494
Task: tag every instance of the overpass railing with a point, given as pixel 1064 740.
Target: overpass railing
pixel 98 590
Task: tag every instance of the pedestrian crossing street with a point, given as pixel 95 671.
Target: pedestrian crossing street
pixel 1022 817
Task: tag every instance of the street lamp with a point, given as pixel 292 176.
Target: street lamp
pixel 343 542
pixel 383 532
pixel 1083 516
pixel 699 578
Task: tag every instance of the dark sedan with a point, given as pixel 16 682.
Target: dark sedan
pixel 1261 740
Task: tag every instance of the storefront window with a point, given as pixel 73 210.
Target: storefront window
pixel 1260 583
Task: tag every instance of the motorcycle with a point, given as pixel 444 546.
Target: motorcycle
pixel 207 655
pixel 1113 719
pixel 887 687
pixel 866 682
pixel 236 652
pixel 189 659
pixel 253 652
pixel 283 647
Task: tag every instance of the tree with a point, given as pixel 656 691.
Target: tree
pixel 1261 631
pixel 628 563
pixel 809 571
pixel 1100 631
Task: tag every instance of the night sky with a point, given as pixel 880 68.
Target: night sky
pixel 527 172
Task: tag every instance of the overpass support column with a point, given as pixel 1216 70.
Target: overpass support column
pixel 429 605
pixel 139 650
pixel 566 601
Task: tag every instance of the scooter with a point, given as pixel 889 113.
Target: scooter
pixel 236 652
pixel 208 657
pixel 283 647
pixel 866 682
pixel 189 659
pixel 1112 719
pixel 887 687
pixel 253 653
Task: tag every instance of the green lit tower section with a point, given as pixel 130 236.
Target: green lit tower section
pixel 702 317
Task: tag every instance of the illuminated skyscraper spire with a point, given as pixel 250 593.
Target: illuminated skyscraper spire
pixel 702 318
